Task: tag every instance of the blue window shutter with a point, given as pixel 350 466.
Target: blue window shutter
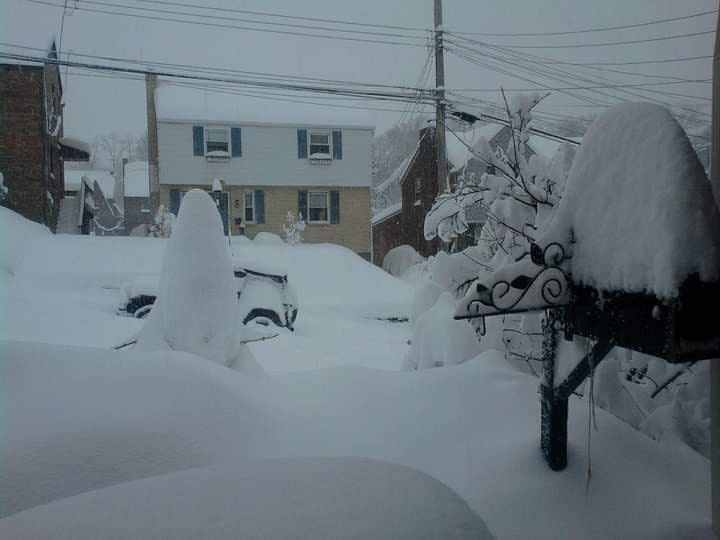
pixel 174 201
pixel 337 144
pixel 259 206
pixel 302 143
pixel 198 141
pixel 334 207
pixel 236 141
pixel 303 204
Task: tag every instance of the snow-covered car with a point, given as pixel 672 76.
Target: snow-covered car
pixel 265 296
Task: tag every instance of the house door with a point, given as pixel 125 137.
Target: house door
pixel 222 205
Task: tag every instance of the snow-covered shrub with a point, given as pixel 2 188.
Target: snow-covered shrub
pixel 196 310
pixel 439 340
pixel 3 188
pixel 267 238
pixel 293 228
pixel 399 259
pixel 162 224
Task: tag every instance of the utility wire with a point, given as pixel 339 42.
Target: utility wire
pixel 230 26
pixel 253 21
pixel 392 96
pixel 219 70
pixel 586 45
pixel 588 30
pixel 282 16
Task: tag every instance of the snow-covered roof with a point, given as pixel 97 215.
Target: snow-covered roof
pixel 76 144
pixel 182 104
pixel 457 142
pixel 105 179
pixel 137 179
pixel 386 213
pixel 399 173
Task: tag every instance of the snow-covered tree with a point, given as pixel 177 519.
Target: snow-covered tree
pixel 162 224
pixel 293 228
pixel 3 188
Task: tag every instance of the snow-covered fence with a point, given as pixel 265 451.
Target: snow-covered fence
pixel 630 259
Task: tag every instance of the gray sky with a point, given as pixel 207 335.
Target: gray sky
pixel 100 105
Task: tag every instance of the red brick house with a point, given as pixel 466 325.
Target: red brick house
pixel 32 147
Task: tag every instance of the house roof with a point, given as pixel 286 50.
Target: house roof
pixel 137 179
pixel 387 213
pixel 105 179
pixel 457 142
pixel 182 104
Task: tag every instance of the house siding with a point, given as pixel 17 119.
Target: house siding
pixel 269 157
pixel 29 158
pixel 386 235
pixel 353 231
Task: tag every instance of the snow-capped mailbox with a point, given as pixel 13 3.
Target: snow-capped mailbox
pixel 630 259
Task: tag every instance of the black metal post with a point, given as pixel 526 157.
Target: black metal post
pixel 553 411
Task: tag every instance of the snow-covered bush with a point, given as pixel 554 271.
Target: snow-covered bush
pixel 439 340
pixel 162 224
pixel 267 238
pixel 3 188
pixel 293 228
pixel 399 259
pixel 196 310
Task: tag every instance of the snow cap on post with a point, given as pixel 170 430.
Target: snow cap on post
pixel 638 205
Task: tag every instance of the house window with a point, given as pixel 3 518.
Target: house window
pixel 318 205
pixel 490 168
pixel 249 215
pixel 319 144
pixel 217 140
pixel 418 186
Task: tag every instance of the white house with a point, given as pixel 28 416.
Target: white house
pixel 270 161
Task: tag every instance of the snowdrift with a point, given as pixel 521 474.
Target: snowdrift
pixel 84 419
pixel 268 500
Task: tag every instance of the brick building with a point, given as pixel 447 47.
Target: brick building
pixel 403 223
pixel 32 147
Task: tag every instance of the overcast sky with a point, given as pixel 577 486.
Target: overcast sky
pixel 100 105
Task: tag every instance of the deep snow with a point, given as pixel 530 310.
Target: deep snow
pixel 82 419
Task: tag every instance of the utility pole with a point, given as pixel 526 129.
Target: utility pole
pixel 714 367
pixel 440 100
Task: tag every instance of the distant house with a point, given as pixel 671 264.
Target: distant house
pixel 403 222
pixel 89 206
pixel 269 162
pixel 32 146
pixel 138 206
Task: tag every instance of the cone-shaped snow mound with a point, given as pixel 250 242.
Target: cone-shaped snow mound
pixel 196 309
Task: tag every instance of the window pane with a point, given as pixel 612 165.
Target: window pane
pixel 318 200
pixel 217 140
pixel 318 214
pixel 319 138
pixel 249 206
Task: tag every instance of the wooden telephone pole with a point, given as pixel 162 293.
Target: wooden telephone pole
pixel 440 100
pixel 714 367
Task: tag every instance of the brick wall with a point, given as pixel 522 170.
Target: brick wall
pixel 385 236
pixel 30 158
pixel 416 203
pixel 353 231
pixel 21 140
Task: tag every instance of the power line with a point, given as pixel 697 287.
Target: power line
pixel 284 16
pixel 219 70
pixel 390 96
pixel 636 63
pixel 529 62
pixel 252 21
pixel 587 30
pixel 230 26
pixel 586 45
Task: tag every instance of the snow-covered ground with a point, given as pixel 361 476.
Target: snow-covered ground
pixel 137 444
